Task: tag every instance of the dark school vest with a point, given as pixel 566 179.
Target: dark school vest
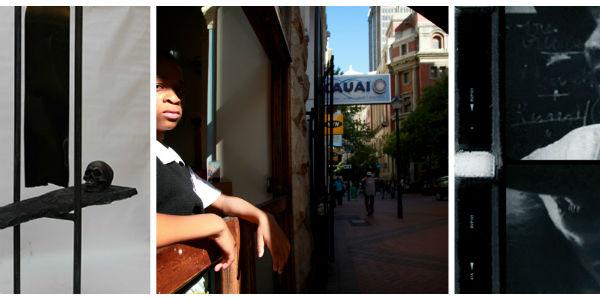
pixel 175 191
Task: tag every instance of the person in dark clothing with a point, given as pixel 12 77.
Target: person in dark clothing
pixel 339 190
pixel 183 197
pixel 369 188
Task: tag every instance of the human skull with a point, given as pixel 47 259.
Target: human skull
pixel 98 176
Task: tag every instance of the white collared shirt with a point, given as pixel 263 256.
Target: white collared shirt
pixel 579 144
pixel 206 192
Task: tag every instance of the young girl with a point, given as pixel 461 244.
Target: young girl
pixel 182 196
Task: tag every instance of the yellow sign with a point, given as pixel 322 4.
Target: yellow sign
pixel 337 123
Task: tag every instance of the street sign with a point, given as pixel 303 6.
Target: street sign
pixel 361 89
pixel 337 141
pixel 337 123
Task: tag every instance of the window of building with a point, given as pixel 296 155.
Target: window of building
pixel 436 72
pixel 433 72
pixel 403 49
pixel 406 104
pixel 436 42
pixel 406 77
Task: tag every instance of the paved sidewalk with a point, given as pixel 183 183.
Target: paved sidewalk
pixel 383 254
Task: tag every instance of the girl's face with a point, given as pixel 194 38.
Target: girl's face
pixel 169 84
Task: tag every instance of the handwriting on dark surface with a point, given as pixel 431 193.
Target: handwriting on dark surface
pixel 540 36
pixel 549 90
pixel 557 117
pixel 564 81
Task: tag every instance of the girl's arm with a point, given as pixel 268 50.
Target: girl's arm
pixel 171 229
pixel 267 232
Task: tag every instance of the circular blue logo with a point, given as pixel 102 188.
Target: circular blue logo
pixel 379 86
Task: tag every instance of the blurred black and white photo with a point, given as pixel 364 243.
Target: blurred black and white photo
pixel 552 212
pixel 552 67
pixel 553 229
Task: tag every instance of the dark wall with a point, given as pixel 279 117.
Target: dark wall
pixel 549 90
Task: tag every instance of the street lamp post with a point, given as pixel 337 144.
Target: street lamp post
pixel 396 105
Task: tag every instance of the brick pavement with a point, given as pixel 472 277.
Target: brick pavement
pixel 391 255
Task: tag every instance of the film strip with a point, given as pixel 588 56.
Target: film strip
pixel 527 165
pixel 475 167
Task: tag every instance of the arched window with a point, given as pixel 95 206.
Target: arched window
pixel 437 42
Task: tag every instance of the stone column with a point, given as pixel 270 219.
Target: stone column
pixel 210 14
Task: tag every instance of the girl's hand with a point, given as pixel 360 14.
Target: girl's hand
pixel 269 233
pixel 225 241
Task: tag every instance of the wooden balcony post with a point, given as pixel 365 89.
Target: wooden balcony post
pixel 230 277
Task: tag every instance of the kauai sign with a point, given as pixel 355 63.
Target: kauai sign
pixel 361 89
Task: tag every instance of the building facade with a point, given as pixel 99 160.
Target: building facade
pixel 414 51
pixel 418 56
pixel 379 122
pixel 381 21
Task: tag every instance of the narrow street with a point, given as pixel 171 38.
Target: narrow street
pixel 383 254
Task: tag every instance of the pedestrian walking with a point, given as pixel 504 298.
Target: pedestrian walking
pixel 369 184
pixel 339 190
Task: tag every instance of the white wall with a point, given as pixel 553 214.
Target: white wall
pixel 243 101
pixel 115 237
pixel 6 135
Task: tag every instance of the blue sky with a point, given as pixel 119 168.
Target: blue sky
pixel 349 36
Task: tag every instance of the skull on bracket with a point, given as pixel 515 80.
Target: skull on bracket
pixel 98 176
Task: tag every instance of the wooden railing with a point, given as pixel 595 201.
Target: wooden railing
pixel 178 264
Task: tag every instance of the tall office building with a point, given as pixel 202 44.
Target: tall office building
pixel 379 18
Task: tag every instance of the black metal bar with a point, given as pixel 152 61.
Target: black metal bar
pixel 400 211
pixel 330 160
pixel 17 152
pixel 311 153
pixel 318 163
pixel 318 106
pixel 77 158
